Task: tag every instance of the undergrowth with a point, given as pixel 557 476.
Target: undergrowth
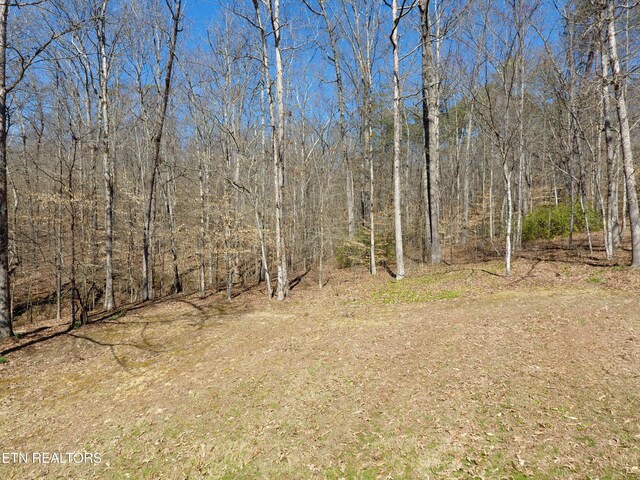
pixel 551 221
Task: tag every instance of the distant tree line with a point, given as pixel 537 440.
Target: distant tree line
pixel 146 150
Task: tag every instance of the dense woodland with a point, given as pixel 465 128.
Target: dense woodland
pixel 159 146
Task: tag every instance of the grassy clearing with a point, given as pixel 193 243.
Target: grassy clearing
pixel 531 377
pixel 403 292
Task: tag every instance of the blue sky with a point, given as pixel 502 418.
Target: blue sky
pixel 201 13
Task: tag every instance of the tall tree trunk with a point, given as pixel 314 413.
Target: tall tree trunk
pixel 368 153
pixel 465 181
pixel 491 234
pixel 282 288
pixel 58 240
pixel 227 226
pixel 625 136
pixel 156 142
pixel 6 327
pixel 109 171
pixel 260 193
pixel 263 249
pixel 521 156
pixel 612 167
pixel 397 201
pixel 508 214
pixel 424 170
pixel 276 101
pixel 75 294
pixel 430 123
pixel 170 200
pixel 573 156
pixel 203 211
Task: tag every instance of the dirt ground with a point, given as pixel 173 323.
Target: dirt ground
pixel 455 372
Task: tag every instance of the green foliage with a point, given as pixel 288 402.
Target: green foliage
pixel 550 221
pixel 408 292
pixel 117 315
pixel 356 251
pixel 3 360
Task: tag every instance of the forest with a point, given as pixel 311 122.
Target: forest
pixel 405 154
pixel 147 152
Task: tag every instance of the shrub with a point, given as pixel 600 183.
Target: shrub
pixel 355 251
pixel 550 221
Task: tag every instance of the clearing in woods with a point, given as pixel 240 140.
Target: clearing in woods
pixel 456 372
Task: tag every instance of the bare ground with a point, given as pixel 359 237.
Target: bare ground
pixel 457 372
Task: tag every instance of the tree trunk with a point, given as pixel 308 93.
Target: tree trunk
pixel 465 180
pixel 6 327
pixel 202 237
pixel 508 214
pixel 397 201
pixel 109 171
pixel 278 153
pixel 430 123
pixel 612 168
pixel 276 101
pixel 521 156
pixel 625 136
pixel 156 141
pixel 169 192
pixel 368 148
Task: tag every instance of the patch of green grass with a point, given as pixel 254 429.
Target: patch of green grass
pixel 117 315
pixel 595 279
pixel 495 269
pixel 404 292
pixel 139 428
pixel 3 360
pixel 447 295
pixel 387 464
pixel 586 440
pixel 351 472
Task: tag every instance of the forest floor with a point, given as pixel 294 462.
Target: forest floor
pixel 455 372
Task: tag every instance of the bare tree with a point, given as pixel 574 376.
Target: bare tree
pixel 107 157
pixel 277 115
pixel 5 289
pixel 6 87
pixel 164 91
pixel 618 81
pixel 431 127
pixel 360 27
pixel 397 14
pixel 611 226
pixel 336 59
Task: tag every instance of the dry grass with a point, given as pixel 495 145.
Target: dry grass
pixel 455 373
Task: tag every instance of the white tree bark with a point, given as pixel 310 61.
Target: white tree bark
pixel 397 175
pixel 6 328
pixel 625 135
pixel 107 160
